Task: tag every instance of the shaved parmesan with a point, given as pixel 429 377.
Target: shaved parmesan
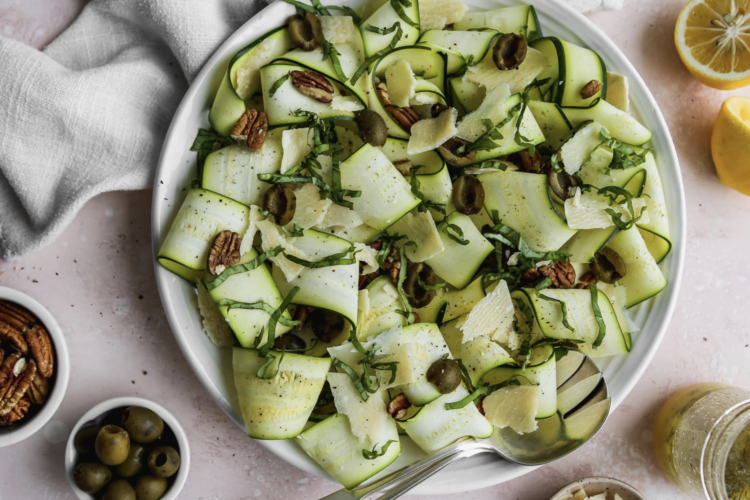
pixel 420 229
pixel 436 14
pixel 395 348
pixel 338 29
pixel 346 103
pixel 296 146
pixel 579 495
pixel 310 209
pixel 491 317
pixel 363 306
pixel 600 496
pixel 514 406
pixel 368 255
pixel 618 89
pixel 486 73
pixel 339 216
pixel 273 237
pixel 247 75
pixel 348 354
pixel 492 108
pixel 587 210
pixel 421 98
pixel 578 150
pixel 216 327
pixel 368 419
pixel 401 83
pixel 431 133
pixel 252 229
pixel 272 151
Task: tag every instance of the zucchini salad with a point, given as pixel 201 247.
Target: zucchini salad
pixel 404 217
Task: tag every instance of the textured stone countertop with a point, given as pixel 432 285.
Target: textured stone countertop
pixel 97 279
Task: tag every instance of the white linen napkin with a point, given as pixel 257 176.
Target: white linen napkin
pixel 89 113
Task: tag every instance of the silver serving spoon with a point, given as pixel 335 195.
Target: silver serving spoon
pixel 583 406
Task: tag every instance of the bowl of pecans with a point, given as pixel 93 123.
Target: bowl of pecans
pixel 34 366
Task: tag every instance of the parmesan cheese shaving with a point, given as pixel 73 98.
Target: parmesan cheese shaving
pixel 431 133
pixel 492 108
pixel 514 407
pixel 436 14
pixel 618 90
pixel 368 419
pixel 252 228
pixel 214 324
pixel 273 237
pixel 310 209
pixel 346 103
pixel 336 215
pixel 368 255
pixel 577 150
pixel 296 146
pixel 247 75
pixel 486 73
pixel 338 29
pixel 401 83
pixel 587 210
pixel 420 229
pixel 491 317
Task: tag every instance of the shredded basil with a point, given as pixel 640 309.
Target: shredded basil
pixel 465 373
pixel 303 6
pixel 469 61
pixel 618 195
pixel 598 314
pixel 564 309
pixel 243 268
pixel 398 6
pixel 324 10
pixel 484 390
pixel 278 83
pixel 262 306
pixel 381 31
pixel 407 312
pixel 277 317
pixel 337 259
pixel 455 233
pixel 385 249
pixel 372 455
pixel 348 11
pixel 269 361
pixel 545 283
pixel 329 51
pixel 356 380
pixel 425 286
pixel 205 143
pixel 525 98
pixel 297 232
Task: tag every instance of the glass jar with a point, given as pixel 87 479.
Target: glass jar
pixel 702 441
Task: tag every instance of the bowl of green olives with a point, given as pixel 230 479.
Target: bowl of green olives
pixel 127 448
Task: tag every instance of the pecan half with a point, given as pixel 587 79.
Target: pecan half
pixel 398 406
pixel 18 389
pixel 586 280
pixel 224 252
pixel 19 313
pixel 591 89
pixel 14 338
pixel 382 91
pixel 38 390
pixel 2 355
pixel 562 275
pixel 404 167
pixel 251 129
pixel 405 117
pixel 17 413
pixel 41 348
pixel 313 85
pixel 6 372
pixel 395 270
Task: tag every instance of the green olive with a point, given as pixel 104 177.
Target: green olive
pixel 468 195
pixel 417 296
pixel 289 342
pixel 305 31
pixel 608 266
pixel 134 463
pixel 510 51
pixel 561 182
pixel 281 202
pixel 91 477
pixel 371 126
pixel 150 487
pixel 112 445
pixel 445 374
pixel 457 160
pixel 119 490
pixel 85 439
pixel 143 425
pixel 163 461
pixel 326 325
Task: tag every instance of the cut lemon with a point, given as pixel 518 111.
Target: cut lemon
pixel 713 40
pixel 730 144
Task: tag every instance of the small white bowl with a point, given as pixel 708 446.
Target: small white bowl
pixel 28 426
pixel 98 413
pixel 598 485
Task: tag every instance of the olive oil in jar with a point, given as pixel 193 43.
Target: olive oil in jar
pixel 737 474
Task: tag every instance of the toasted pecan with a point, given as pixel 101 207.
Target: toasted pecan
pixel 313 85
pixel 591 89
pixel 18 388
pixel 14 338
pixel 40 345
pixel 251 129
pixel 405 117
pixel 398 406
pixel 224 252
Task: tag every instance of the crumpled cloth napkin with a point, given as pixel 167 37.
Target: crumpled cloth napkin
pixel 89 113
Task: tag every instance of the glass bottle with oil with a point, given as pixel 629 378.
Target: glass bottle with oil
pixel 702 441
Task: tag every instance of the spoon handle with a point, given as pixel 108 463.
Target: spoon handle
pixel 403 480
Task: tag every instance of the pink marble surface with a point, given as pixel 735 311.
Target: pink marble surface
pixel 97 280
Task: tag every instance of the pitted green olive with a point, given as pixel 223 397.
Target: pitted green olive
pixel 608 266
pixel 163 461
pixel 417 296
pixel 142 424
pixel 445 374
pixel 91 477
pixel 305 31
pixel 371 126
pixel 281 202
pixel 112 445
pixel 119 490
pixel 85 439
pixel 134 463
pixel 468 195
pixel 457 160
pixel 150 487
pixel 561 182
pixel 510 51
pixel 326 324
pixel 289 342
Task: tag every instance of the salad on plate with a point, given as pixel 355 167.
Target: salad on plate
pixel 403 218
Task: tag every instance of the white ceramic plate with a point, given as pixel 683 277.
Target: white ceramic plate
pixel 213 365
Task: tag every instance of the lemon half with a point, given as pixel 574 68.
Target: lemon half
pixel 730 144
pixel 713 40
